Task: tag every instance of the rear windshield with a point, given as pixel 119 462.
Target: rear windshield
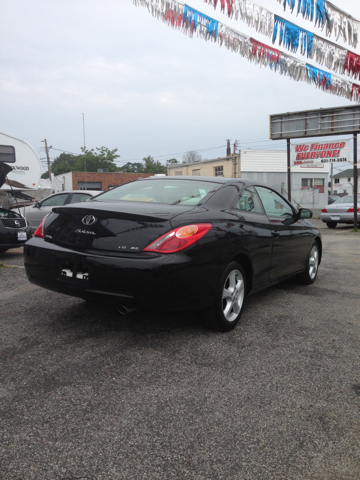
pixel 347 199
pixel 170 192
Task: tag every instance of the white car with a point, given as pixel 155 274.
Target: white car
pixel 35 213
pixel 341 211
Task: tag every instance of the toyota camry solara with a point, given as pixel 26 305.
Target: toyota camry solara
pixel 166 243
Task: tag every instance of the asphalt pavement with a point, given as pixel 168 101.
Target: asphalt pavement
pixel 89 394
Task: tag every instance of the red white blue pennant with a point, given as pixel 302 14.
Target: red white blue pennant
pixel 188 20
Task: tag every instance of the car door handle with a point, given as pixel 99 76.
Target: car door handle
pixel 275 234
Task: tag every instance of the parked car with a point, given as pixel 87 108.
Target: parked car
pixel 175 243
pixel 14 230
pixel 341 211
pixel 333 198
pixel 35 213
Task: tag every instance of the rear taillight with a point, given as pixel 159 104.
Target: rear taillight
pixel 40 231
pixel 324 210
pixel 351 210
pixel 179 238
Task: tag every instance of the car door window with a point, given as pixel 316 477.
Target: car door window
pixel 80 197
pixel 274 205
pixel 55 201
pixel 249 201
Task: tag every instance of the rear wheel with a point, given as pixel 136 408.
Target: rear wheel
pixel 331 224
pixel 309 275
pixel 229 301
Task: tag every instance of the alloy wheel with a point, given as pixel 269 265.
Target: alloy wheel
pixel 313 262
pixel 233 295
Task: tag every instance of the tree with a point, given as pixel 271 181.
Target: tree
pixel 136 167
pixel 64 163
pixel 92 160
pixel 172 160
pixel 152 166
pixel 191 156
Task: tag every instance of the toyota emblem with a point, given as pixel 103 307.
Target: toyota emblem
pixel 89 220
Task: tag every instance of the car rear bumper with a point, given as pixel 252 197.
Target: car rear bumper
pixel 161 282
pixel 338 218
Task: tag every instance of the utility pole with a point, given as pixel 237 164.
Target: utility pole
pixel 48 158
pixel 355 183
pixel 288 169
pixel 234 158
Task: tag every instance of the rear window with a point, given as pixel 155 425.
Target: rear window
pixel 170 192
pixel 347 199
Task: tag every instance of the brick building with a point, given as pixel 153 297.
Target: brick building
pixel 94 180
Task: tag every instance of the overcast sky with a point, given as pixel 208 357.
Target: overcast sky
pixel 144 88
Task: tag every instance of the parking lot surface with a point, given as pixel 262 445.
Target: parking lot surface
pixel 89 394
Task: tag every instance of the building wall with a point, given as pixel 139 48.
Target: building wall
pixel 71 180
pixel 345 186
pixel 207 168
pixel 253 160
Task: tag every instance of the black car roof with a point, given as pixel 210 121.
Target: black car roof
pixel 199 177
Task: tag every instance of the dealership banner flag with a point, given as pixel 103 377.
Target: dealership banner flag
pixel 328 15
pixel 190 21
pixel 317 154
pixel 293 37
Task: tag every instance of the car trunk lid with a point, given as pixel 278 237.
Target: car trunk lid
pixel 123 227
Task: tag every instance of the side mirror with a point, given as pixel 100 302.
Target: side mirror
pixel 305 213
pixel 37 204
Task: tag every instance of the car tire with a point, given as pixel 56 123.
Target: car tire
pixel 308 276
pixel 3 249
pixel 331 224
pixel 229 300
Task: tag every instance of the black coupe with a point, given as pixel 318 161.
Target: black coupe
pixel 175 243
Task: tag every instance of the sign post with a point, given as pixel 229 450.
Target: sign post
pixel 355 182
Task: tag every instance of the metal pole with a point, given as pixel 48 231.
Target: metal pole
pixel 48 159
pixel 355 182
pixel 288 169
pixel 84 149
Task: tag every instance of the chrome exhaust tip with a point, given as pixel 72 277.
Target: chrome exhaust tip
pixel 125 310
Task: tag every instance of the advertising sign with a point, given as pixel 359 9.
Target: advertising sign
pixel 317 154
pixel 322 122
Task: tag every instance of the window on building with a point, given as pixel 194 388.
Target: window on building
pixel 219 171
pixel 319 184
pixel 316 183
pixel 179 172
pixel 306 183
pixel 337 180
pixel 349 179
pixel 196 172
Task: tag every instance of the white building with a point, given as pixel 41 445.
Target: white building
pixel 344 182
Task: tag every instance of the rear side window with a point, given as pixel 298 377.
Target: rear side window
pixel 274 205
pixel 249 201
pixel 55 201
pixel 80 197
pixel 170 192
